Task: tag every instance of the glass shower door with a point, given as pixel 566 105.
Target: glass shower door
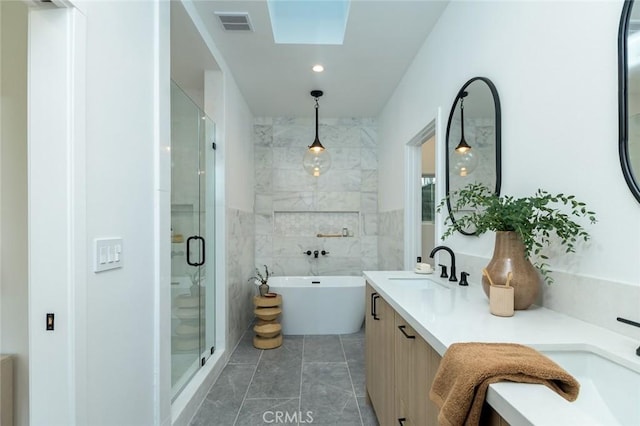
pixel 192 301
pixel 207 217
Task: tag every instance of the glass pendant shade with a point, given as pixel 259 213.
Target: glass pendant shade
pixel 464 163
pixel 316 160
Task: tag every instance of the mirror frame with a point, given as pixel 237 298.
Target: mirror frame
pixel 623 120
pixel 498 153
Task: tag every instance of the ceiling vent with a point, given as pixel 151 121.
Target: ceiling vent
pixel 47 3
pixel 234 21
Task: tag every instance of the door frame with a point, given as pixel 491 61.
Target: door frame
pixel 412 189
pixel 57 247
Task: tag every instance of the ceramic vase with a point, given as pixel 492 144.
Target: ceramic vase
pixel 264 288
pixel 509 256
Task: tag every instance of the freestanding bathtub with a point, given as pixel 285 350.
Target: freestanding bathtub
pixel 320 305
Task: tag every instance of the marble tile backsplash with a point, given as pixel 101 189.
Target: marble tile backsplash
pixel 292 207
pixel 590 299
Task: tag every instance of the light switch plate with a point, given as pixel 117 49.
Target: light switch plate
pixel 108 254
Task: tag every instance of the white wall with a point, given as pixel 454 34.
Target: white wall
pixel 234 123
pixel 125 58
pixel 239 148
pixel 555 68
pixel 234 174
pixel 13 191
pixel 224 103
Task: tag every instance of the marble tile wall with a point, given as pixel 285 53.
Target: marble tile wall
pixel 240 266
pixel 391 240
pixel 292 207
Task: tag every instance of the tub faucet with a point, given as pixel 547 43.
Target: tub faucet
pixel 452 276
pixel 316 253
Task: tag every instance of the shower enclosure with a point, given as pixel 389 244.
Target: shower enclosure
pixel 192 238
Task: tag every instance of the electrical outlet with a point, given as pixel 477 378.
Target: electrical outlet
pixel 50 319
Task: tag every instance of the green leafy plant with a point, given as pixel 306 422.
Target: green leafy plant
pixel 262 278
pixel 535 219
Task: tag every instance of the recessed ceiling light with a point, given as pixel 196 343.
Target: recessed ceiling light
pixel 318 68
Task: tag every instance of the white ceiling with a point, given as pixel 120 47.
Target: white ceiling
pixel 190 56
pixel 381 40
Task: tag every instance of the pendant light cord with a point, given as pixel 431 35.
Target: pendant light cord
pixel 462 116
pixel 316 118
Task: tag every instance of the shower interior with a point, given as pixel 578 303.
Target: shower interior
pixel 192 238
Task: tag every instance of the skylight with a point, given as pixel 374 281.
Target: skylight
pixel 308 21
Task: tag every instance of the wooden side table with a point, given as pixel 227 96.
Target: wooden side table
pixel 267 328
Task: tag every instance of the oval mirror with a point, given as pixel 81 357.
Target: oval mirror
pixel 629 95
pixel 473 141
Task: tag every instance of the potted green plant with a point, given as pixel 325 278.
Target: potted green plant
pixel 263 279
pixel 524 228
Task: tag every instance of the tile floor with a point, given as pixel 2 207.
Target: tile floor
pixel 317 380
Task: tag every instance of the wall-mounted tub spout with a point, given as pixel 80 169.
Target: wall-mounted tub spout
pixel 315 253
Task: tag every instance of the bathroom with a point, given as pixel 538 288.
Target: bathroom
pixel 555 67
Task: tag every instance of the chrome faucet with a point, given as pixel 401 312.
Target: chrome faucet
pixel 452 277
pixel 316 253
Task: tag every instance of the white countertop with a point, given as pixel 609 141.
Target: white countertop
pixel 448 313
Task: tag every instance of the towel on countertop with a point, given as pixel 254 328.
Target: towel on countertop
pixel 467 369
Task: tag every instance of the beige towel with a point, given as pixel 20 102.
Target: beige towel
pixel 467 370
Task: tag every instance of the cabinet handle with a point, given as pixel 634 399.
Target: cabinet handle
pixel 376 296
pixel 373 309
pixel 401 421
pixel 402 327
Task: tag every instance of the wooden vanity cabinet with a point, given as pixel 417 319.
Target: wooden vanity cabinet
pixel 416 364
pixel 400 367
pixel 379 324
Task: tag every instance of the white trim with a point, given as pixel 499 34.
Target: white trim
pixel 57 216
pixel 440 173
pixel 78 218
pixel 412 198
pixel 162 216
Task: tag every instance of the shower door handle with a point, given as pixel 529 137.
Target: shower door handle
pixel 202 243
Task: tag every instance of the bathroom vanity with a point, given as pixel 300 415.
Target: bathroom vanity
pixel 412 319
pixel 400 367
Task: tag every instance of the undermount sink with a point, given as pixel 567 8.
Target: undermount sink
pixel 609 391
pixel 419 282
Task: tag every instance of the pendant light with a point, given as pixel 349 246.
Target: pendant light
pixel 316 160
pixel 464 159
